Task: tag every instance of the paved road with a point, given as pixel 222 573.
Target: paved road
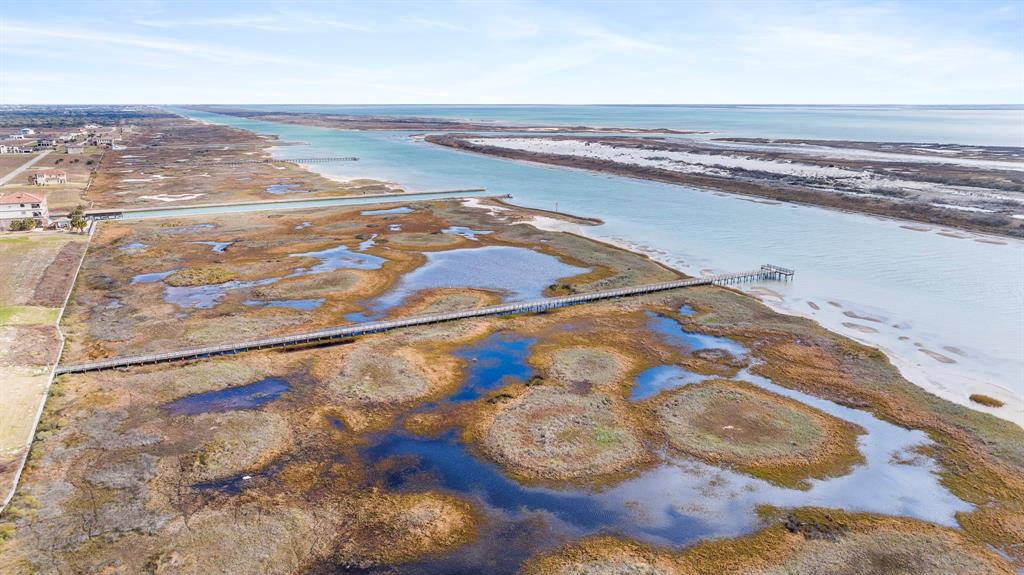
pixel 23 167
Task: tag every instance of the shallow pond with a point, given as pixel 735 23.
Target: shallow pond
pixel 217 247
pixel 368 243
pixel 339 257
pixel 466 232
pixel 279 189
pixel 209 295
pixel 151 277
pixel 494 362
pixel 519 273
pixel 249 396
pixel 652 381
pixel 675 334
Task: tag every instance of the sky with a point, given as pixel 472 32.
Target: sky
pixel 463 52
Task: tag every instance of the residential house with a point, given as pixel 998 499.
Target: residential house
pixel 8 149
pixel 47 177
pixel 21 205
pixel 28 131
pixel 76 149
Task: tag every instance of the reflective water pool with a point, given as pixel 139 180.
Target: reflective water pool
pixel 653 381
pixel 339 257
pixel 518 273
pixel 250 396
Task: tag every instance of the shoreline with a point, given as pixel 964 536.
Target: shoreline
pixel 750 190
pixel 906 365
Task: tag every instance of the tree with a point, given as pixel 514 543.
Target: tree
pixel 78 223
pixel 79 211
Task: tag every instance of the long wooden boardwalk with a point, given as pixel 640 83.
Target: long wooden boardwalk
pixel 322 160
pixel 765 272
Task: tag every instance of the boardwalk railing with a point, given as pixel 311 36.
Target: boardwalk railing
pixel 765 272
pixel 325 160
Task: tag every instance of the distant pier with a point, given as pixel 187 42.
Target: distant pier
pixel 765 272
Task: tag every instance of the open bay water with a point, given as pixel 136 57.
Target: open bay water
pixel 930 294
pixel 973 125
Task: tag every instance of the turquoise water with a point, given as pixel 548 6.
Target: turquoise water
pixel 931 291
pixel 993 126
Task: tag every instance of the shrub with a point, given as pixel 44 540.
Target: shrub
pixel 986 400
pixel 22 225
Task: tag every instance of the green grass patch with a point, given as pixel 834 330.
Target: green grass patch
pixel 28 315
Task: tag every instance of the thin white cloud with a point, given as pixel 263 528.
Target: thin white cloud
pixel 208 52
pixel 253 22
pixel 616 40
pixel 428 23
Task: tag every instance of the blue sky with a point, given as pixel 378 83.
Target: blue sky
pixel 912 52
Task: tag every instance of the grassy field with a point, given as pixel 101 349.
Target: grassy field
pixel 27 315
pixel 59 197
pixel 38 270
pixel 9 162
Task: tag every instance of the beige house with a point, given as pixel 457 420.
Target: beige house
pixel 21 205
pixel 47 177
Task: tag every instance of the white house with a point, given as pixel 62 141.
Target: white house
pixel 76 149
pixel 21 205
pixel 28 131
pixel 5 149
pixel 47 177
pixel 16 137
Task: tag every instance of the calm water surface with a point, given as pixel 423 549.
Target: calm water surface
pixel 992 126
pixel 929 291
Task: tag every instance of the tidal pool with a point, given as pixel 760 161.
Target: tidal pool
pixel 339 257
pixel 466 232
pixel 217 247
pixel 495 361
pixel 674 334
pixel 250 396
pixel 209 295
pixel 368 243
pixel 151 277
pixel 278 189
pixel 518 273
pixel 652 381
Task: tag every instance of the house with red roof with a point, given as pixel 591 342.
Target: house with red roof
pixel 21 205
